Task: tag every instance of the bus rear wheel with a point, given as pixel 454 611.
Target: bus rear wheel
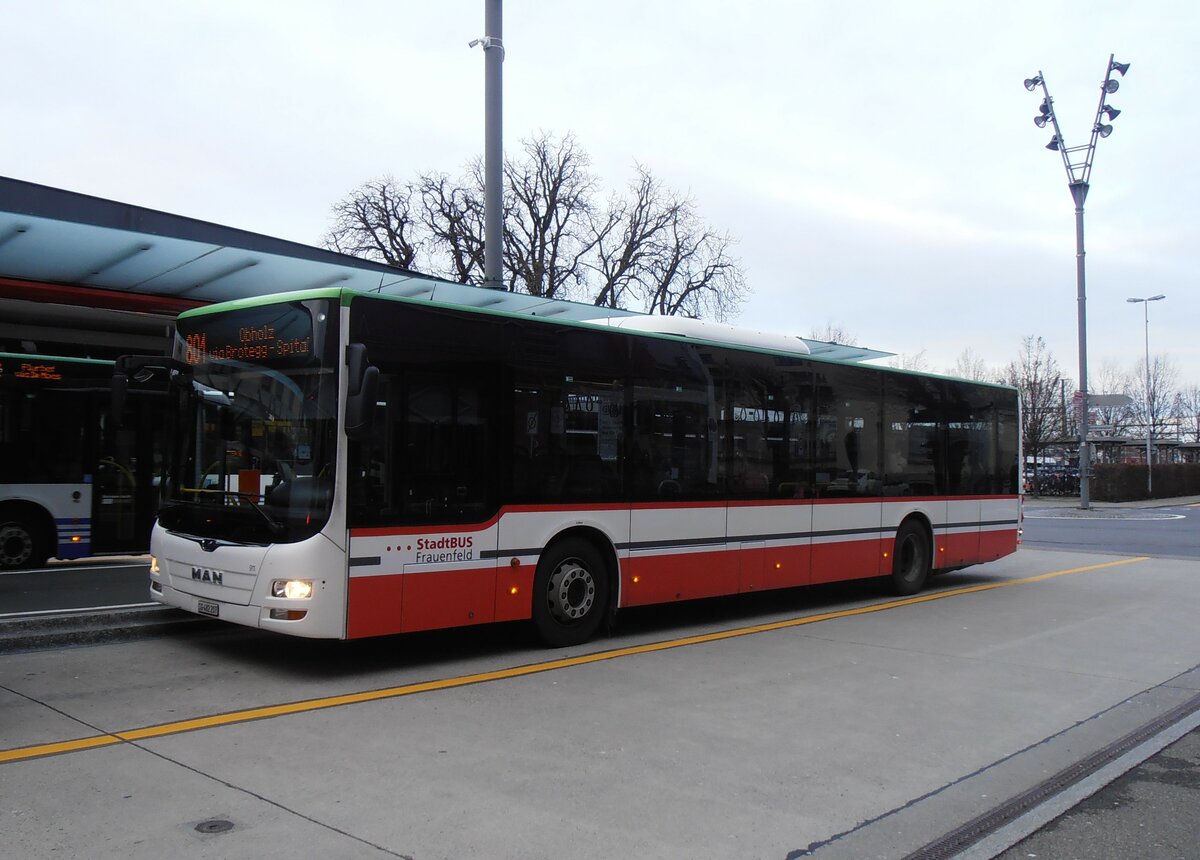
pixel 570 593
pixel 911 558
pixel 21 545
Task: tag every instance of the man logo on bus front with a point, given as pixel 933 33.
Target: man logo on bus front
pixel 205 574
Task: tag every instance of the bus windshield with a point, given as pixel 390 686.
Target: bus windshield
pixel 254 458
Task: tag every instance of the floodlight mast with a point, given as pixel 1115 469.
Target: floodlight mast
pixel 1077 160
pixel 493 150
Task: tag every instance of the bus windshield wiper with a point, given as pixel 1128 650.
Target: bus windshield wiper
pixel 277 528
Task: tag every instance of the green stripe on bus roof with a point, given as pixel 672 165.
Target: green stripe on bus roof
pixel 269 299
pixel 71 358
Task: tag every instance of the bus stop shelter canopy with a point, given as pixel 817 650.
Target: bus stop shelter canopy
pixel 65 247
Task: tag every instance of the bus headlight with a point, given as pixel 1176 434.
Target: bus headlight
pixel 292 589
pixel 154 565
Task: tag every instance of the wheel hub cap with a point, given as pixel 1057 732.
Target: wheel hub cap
pixel 16 546
pixel 572 592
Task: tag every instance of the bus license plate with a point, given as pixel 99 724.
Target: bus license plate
pixel 208 607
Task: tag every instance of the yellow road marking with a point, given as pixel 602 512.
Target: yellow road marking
pixel 270 711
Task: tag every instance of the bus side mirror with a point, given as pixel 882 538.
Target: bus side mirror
pixel 142 367
pixel 362 386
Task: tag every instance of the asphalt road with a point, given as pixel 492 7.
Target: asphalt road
pixel 86 584
pixel 1169 532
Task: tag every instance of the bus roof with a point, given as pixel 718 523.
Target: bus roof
pixel 477 299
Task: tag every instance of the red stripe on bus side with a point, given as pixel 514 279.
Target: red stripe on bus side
pixel 681 576
pixel 404 603
pixel 846 560
pixel 514 592
pixel 455 598
pixel 373 606
pixel 955 548
pixel 997 544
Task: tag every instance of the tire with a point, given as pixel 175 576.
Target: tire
pixel 21 544
pixel 570 593
pixel 911 558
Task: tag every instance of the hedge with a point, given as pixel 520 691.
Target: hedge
pixel 1124 482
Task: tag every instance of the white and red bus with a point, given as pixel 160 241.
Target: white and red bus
pixel 355 465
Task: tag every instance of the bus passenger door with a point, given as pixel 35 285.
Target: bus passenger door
pixel 848 536
pixel 422 503
pixel 445 445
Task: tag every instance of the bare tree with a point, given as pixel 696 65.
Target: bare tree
pixel 833 332
pixel 376 221
pixel 648 250
pixel 1036 376
pixel 694 274
pixel 1152 406
pixel 1187 412
pixel 1112 379
pixel 548 224
pixel 629 236
pixel 453 216
pixel 970 365
pixel 910 361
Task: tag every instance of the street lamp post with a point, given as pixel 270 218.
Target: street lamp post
pixel 1145 303
pixel 493 149
pixel 1078 163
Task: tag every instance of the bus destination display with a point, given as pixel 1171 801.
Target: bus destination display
pixel 285 339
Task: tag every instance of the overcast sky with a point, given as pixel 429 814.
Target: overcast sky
pixel 876 161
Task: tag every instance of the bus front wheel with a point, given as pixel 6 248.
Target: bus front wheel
pixel 570 593
pixel 911 558
pixel 21 544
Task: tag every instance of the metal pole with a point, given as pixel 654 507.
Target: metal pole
pixel 1149 418
pixel 1079 192
pixel 1078 163
pixel 493 181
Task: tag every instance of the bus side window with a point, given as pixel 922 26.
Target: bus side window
pixel 443 465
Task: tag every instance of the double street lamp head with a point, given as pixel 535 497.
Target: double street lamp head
pixel 1046 110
